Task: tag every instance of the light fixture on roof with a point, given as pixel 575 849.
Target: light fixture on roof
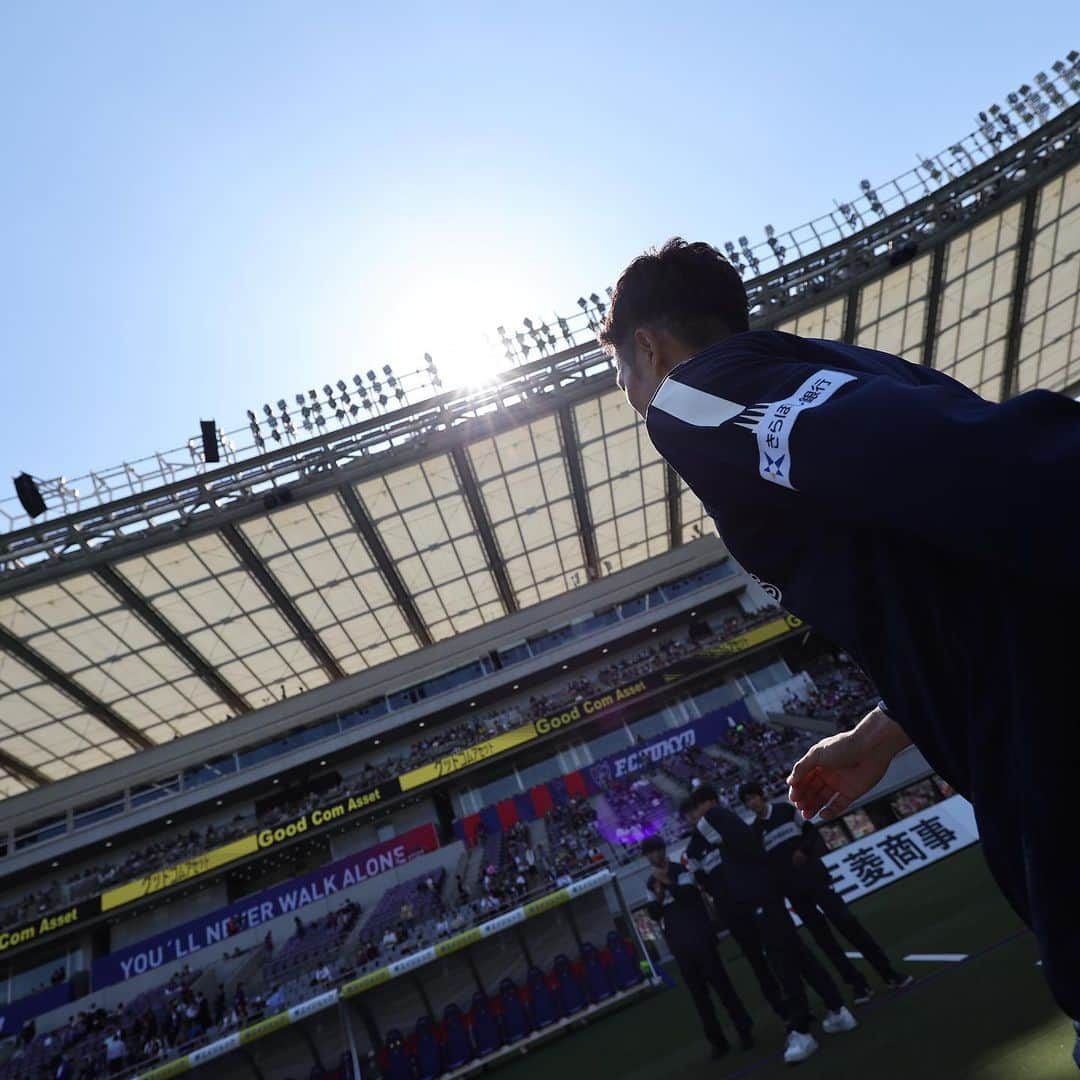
pixel 778 249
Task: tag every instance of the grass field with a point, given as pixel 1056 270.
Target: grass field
pixel 989 1017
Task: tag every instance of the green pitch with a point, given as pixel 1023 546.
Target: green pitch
pixel 989 1017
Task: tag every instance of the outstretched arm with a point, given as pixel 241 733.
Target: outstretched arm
pixel 835 772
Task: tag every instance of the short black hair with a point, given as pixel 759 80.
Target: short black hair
pixel 652 843
pixel 688 289
pixel 751 787
pixel 687 805
pixel 704 793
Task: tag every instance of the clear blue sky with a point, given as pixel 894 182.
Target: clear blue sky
pixel 207 206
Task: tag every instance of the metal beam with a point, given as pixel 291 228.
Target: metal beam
pixel 1019 290
pixel 674 505
pixel 21 770
pixel 195 660
pixel 483 527
pixel 581 495
pixel 851 315
pixel 385 564
pixel 933 305
pixel 95 707
pixel 279 598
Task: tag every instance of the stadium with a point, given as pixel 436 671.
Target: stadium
pixel 328 745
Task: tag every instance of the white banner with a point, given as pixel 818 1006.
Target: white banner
pixel 885 856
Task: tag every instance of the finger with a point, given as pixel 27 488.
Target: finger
pixel 804 766
pixel 809 782
pixel 813 795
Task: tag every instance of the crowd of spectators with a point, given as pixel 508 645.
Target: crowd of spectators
pixel 438 743
pixel 99 1042
pixel 842 695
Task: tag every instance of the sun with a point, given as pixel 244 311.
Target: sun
pixel 451 313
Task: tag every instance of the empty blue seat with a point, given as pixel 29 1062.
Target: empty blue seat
pixel 485 1027
pixel 543 1003
pixel 596 975
pixel 625 967
pixel 514 1016
pixel 428 1059
pixel 571 993
pixel 457 1046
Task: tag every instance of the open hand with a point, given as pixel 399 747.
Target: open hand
pixel 835 772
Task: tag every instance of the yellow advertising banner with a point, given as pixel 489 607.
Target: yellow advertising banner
pixel 176 1067
pixel 168 876
pixel 366 982
pixel 265 1027
pixel 458 941
pixel 462 759
pixel 590 707
pixel 774 628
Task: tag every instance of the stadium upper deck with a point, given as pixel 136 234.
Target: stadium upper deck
pixel 126 620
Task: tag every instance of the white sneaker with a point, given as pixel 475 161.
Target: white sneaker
pixel 838 1021
pixel 799 1047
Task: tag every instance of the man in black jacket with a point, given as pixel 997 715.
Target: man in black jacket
pixel 740 873
pixel 701 859
pixel 677 905
pixel 794 850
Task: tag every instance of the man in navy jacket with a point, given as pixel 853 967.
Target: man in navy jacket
pixel 930 533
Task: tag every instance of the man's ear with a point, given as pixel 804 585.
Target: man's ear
pixel 649 350
pixel 657 350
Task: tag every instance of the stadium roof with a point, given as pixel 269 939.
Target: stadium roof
pixel 172 598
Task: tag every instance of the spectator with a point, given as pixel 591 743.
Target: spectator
pixel 115 1053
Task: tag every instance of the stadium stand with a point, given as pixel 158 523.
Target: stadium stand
pixel 91 880
pixel 323 711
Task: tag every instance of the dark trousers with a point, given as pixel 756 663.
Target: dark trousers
pixel 823 906
pixel 700 970
pixel 793 962
pixel 744 930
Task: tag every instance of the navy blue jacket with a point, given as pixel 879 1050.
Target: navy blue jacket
pixel 931 534
pixel 680 910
